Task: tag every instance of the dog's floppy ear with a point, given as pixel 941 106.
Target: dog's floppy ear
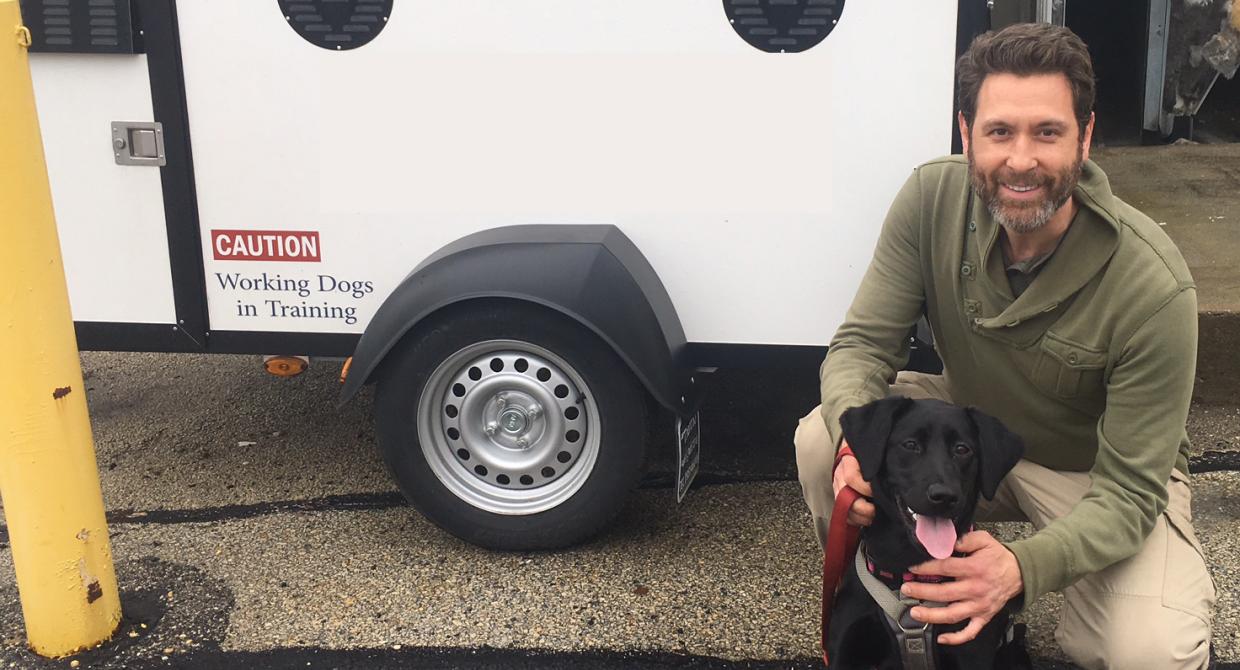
pixel 866 428
pixel 999 449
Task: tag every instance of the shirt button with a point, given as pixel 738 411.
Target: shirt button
pixel 966 270
pixel 972 225
pixel 1072 358
pixel 970 308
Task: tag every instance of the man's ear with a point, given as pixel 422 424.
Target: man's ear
pixel 964 132
pixel 1087 138
pixel 998 450
pixel 866 428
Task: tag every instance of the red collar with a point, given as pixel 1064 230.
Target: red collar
pixel 893 581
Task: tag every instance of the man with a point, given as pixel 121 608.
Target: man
pixel 1070 316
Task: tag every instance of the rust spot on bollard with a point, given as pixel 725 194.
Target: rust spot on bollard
pixel 61 392
pixel 93 592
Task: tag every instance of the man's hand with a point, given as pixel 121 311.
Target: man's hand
pixel 848 473
pixel 985 580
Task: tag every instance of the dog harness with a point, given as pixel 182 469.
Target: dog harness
pixel 914 639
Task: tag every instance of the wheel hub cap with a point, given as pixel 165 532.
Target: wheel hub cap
pixel 514 421
pixel 509 427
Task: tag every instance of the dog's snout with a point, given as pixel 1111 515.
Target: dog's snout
pixel 940 494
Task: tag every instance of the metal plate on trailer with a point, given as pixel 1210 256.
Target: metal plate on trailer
pixel 77 26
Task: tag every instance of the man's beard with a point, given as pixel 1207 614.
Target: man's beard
pixel 1025 217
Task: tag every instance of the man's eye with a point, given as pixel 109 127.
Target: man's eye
pixel 962 449
pixel 1050 133
pixel 999 132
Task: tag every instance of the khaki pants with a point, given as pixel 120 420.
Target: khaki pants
pixel 1148 611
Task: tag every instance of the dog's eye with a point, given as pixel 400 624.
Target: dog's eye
pixel 962 449
pixel 911 445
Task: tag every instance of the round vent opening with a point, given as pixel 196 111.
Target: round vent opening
pixel 337 24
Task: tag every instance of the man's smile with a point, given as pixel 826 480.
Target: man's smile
pixel 1021 191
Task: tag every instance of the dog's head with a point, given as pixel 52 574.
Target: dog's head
pixel 927 461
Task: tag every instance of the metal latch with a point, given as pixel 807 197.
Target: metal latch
pixel 138 143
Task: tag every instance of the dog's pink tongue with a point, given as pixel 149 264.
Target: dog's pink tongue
pixel 936 534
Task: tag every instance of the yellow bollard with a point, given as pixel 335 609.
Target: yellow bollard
pixel 48 478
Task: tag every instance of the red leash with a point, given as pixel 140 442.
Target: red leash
pixel 842 540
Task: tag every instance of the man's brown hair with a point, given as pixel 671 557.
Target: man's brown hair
pixel 1025 49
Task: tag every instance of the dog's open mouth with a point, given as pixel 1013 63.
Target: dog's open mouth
pixel 936 534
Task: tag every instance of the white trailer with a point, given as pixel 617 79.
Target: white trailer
pixel 528 221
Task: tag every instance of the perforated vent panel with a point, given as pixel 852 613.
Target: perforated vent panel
pixel 80 26
pixel 783 25
pixel 337 24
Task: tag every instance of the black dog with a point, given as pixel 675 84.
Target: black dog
pixel 926 461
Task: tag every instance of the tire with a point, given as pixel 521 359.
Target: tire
pixel 580 410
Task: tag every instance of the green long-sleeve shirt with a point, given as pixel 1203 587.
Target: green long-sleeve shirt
pixel 1092 365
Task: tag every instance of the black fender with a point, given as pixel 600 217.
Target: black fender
pixel 593 274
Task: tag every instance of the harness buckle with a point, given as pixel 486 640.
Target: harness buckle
pixel 914 639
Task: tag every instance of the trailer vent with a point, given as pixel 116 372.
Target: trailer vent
pixel 337 24
pixel 779 26
pixel 80 26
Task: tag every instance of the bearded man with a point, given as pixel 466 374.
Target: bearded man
pixel 1070 316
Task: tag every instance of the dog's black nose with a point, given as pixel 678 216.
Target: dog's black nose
pixel 941 495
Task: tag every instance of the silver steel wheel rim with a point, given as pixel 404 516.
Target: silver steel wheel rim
pixel 509 427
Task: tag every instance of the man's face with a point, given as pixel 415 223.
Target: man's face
pixel 1025 148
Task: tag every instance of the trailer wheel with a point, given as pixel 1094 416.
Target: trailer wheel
pixel 511 426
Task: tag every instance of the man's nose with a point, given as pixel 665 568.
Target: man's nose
pixel 1022 157
pixel 941 494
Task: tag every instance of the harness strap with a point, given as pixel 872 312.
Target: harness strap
pixel 842 540
pixel 914 639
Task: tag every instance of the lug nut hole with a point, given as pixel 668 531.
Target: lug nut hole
pixel 543 374
pixel 571 413
pixel 527 480
pixel 502 479
pixel 548 472
pixel 475 374
pixel 458 390
pixel 456 434
pixel 481 470
pixel 497 364
pixel 521 365
pixel 571 436
pixel 451 411
pixel 562 457
pixel 561 391
pixel 462 454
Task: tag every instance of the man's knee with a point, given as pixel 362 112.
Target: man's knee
pixel 1146 635
pixel 815 464
pixel 815 455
